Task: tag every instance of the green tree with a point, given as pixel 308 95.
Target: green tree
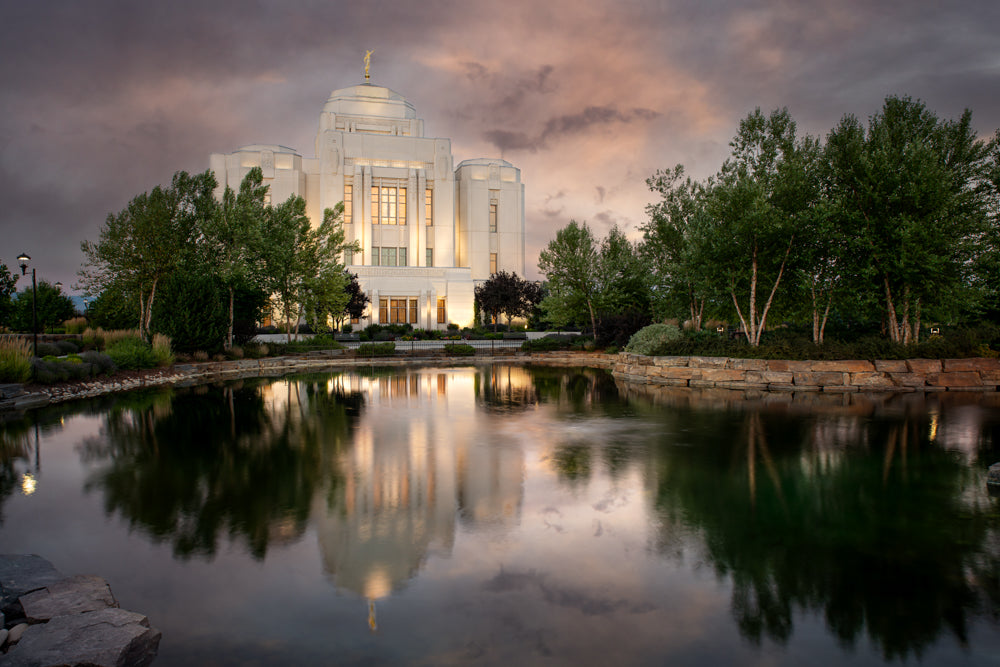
pixel 570 265
pixel 147 240
pixel 302 266
pixel 53 308
pixel 113 309
pixel 677 281
pixel 7 290
pixel 913 187
pixel 623 281
pixel 756 206
pixel 231 238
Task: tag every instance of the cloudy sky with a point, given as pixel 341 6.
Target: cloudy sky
pixel 104 99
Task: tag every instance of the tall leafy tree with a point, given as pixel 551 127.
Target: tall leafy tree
pixel 670 246
pixel 231 238
pixel 911 189
pixel 570 264
pixel 303 267
pixel 147 240
pixel 756 206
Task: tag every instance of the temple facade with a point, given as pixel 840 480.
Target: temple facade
pixel 428 230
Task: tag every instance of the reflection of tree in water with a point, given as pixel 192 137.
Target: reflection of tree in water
pixel 505 388
pixel 879 538
pixel 242 460
pixel 589 402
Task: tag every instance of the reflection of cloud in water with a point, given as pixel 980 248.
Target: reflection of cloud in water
pixel 563 596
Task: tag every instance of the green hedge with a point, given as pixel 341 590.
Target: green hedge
pixel 459 350
pixel 376 349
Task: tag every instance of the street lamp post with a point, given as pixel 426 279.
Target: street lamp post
pixel 23 260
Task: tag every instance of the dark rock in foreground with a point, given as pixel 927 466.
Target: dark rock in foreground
pixel 68 620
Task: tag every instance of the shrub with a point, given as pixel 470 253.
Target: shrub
pixel 48 350
pixel 100 363
pixel 548 343
pixel 15 359
pixel 236 352
pixel 377 349
pixel 161 350
pixel 68 346
pixel 200 355
pixel 132 353
pixel 648 340
pixel 459 350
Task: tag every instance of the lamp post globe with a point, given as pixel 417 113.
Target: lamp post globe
pixel 22 261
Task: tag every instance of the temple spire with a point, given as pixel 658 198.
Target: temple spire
pixel 368 62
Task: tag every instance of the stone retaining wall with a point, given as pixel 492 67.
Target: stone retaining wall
pixel 13 398
pixel 925 375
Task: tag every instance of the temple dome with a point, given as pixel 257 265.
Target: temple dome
pixel 368 100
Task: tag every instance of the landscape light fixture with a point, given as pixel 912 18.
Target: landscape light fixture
pixel 935 331
pixel 22 261
pixel 720 329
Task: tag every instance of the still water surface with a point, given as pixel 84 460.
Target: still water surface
pixel 508 515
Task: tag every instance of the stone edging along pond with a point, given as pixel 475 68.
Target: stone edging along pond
pixel 912 375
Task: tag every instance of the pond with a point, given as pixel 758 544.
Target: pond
pixel 507 514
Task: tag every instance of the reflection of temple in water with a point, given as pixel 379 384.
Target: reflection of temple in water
pixel 421 458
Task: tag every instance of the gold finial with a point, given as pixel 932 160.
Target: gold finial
pixel 368 62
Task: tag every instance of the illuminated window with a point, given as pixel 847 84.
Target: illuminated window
pixel 493 216
pixel 430 257
pixel 387 215
pixel 388 204
pixel 429 207
pixel 348 203
pixel 442 312
pixel 383 311
pixel 493 262
pixel 413 311
pixel 397 311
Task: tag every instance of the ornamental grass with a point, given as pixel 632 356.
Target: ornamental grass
pixel 15 359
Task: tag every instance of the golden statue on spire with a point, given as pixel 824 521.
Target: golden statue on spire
pixel 368 62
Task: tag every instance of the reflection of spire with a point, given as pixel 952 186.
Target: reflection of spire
pixel 371 615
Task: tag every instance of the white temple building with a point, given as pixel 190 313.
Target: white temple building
pixel 428 230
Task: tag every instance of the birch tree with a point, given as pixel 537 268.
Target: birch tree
pixel 755 207
pixel 912 187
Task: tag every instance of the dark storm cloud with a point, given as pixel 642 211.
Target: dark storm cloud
pixel 561 126
pixel 104 99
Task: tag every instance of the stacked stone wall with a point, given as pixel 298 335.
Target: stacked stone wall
pixel 926 375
